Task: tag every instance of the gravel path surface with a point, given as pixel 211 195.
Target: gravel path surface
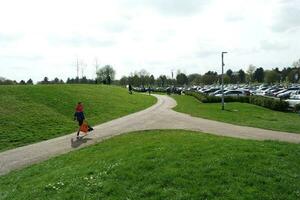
pixel 159 116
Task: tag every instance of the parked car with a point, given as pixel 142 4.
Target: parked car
pixel 232 93
pixel 286 94
pixel 210 90
pixel 295 94
pixel 293 102
pixel 217 92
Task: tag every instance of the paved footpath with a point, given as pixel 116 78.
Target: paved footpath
pixel 158 116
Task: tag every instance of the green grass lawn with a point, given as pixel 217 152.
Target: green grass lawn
pixel 240 114
pixel 30 114
pixel 165 165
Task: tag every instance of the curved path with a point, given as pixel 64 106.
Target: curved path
pixel 158 116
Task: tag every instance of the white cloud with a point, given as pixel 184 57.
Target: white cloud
pixel 287 16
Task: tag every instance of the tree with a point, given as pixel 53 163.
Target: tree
pixel 259 75
pixel 144 77
pixel 194 79
pixel 45 81
pixel 124 81
pixel 250 71
pixel 242 76
pixel 134 80
pixel 209 78
pixel 293 76
pixel 55 81
pixel 162 80
pixel 106 74
pixel 271 76
pixel 151 80
pixel 181 79
pixel 229 72
pixel 170 82
pixel 235 78
pixel 226 79
pixel 84 80
pixel 29 82
pixel 22 82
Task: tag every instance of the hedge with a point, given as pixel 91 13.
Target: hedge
pixel 267 102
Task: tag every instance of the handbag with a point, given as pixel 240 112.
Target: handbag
pixel 84 127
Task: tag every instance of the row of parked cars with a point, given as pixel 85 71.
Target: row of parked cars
pixel 289 93
pixel 217 90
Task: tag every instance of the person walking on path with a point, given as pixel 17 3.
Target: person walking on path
pixel 79 116
pixel 149 90
pixel 130 89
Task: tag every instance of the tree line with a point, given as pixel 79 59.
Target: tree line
pixel 253 74
pixel 142 78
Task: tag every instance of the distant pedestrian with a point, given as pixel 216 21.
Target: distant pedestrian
pixel 79 116
pixel 149 90
pixel 130 89
pixel 169 91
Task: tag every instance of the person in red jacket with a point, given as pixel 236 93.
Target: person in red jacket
pixel 79 116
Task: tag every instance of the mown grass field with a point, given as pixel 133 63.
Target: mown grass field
pixel 30 114
pixel 166 164
pixel 240 114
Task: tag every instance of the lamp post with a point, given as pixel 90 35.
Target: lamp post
pixel 223 79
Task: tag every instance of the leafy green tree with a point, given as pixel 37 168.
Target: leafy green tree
pixel 162 80
pixel 226 79
pixel 84 80
pixel 29 82
pixel 45 81
pixel 229 72
pixel 134 80
pixel 22 82
pixel 242 76
pixel 250 71
pixel 181 79
pixel 106 74
pixel 271 76
pixel 209 78
pixel 151 80
pixel 124 81
pixel 56 81
pixel 194 79
pixel 259 75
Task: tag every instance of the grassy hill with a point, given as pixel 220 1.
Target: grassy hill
pixel 30 114
pixel 163 165
pixel 240 113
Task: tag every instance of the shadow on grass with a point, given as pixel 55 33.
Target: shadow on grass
pixel 77 142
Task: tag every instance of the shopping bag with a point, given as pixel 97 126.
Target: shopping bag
pixel 84 127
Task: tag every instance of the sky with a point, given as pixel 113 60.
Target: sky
pixel 45 38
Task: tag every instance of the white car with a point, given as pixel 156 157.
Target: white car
pixel 232 93
pixel 293 102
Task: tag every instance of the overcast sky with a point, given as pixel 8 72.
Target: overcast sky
pixel 44 38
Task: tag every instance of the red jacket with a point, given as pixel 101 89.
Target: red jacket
pixel 79 108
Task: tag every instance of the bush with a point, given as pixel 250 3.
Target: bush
pixel 266 102
pixel 198 96
pixel 297 107
pixel 213 99
pixel 271 103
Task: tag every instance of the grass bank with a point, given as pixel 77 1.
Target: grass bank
pixel 30 114
pixel 240 114
pixel 163 165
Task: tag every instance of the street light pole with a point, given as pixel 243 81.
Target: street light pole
pixel 223 79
